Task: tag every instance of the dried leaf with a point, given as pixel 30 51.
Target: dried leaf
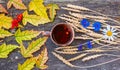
pixel 33 47
pixel 25 35
pixel 27 65
pixel 42 59
pixel 5 21
pixel 2 9
pixel 52 10
pixel 16 3
pixel 38 7
pixel 34 19
pixel 6 49
pixel 4 33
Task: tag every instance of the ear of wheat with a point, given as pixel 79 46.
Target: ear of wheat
pixel 62 59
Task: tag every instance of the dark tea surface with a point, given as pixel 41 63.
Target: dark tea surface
pixel 62 34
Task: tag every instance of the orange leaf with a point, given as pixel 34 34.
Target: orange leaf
pixel 2 9
pixel 16 3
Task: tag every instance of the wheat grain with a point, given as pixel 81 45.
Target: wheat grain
pixel 77 57
pixel 91 57
pixel 62 59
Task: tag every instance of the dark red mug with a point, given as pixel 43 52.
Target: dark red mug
pixel 61 34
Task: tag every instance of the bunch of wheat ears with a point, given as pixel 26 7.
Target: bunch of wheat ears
pixel 77 13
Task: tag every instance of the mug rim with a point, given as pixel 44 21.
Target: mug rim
pixel 69 42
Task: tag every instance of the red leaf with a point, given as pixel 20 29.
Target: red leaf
pixel 14 23
pixel 19 17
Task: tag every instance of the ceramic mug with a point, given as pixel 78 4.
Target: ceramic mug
pixel 61 34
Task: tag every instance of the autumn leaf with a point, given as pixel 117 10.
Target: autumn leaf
pixel 2 9
pixel 52 10
pixel 6 49
pixel 16 3
pixel 27 65
pixel 34 19
pixel 4 33
pixel 38 7
pixel 33 47
pixel 25 35
pixel 42 59
pixel 5 21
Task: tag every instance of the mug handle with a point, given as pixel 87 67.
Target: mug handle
pixel 46 33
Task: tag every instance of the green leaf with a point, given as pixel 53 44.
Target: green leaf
pixel 34 19
pixel 25 35
pixel 52 10
pixel 42 59
pixel 27 65
pixel 6 49
pixel 4 33
pixel 33 47
pixel 38 7
pixel 5 21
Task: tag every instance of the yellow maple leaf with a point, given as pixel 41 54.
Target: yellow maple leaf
pixel 52 10
pixel 2 9
pixel 25 35
pixel 38 7
pixel 4 33
pixel 16 3
pixel 34 19
pixel 27 65
pixel 33 47
pixel 42 59
pixel 6 49
pixel 5 21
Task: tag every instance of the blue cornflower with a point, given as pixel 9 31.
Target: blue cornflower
pixel 97 26
pixel 80 47
pixel 89 45
pixel 85 23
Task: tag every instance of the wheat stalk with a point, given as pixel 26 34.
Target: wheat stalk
pixel 83 38
pixel 95 50
pixel 88 16
pixel 91 57
pixel 70 9
pixel 65 47
pixel 62 59
pixel 78 7
pixel 68 53
pixel 70 50
pixel 77 57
